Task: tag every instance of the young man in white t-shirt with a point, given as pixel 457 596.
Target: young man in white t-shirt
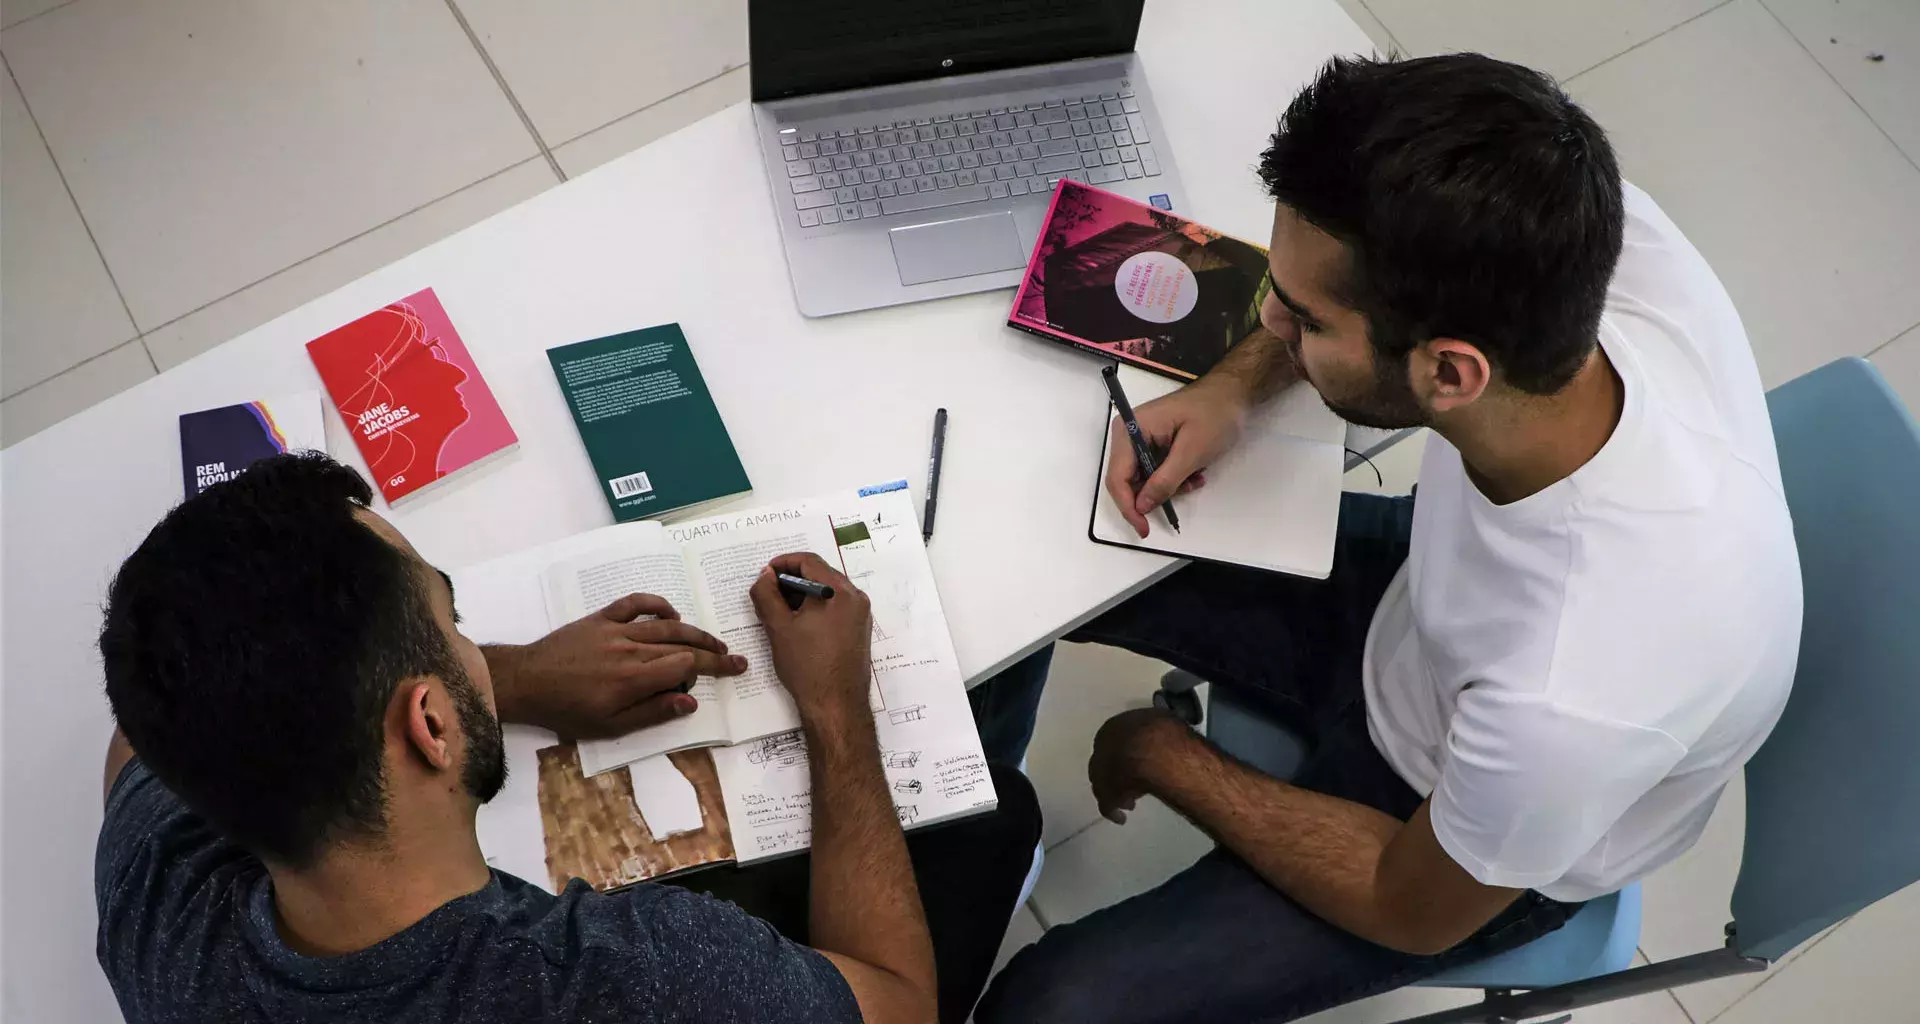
pixel 1525 691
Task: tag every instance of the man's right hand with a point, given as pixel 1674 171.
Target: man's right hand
pixel 820 649
pixel 1192 427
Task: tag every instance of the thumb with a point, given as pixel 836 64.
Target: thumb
pixel 1173 471
pixel 767 601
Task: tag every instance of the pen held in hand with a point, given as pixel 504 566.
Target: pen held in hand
pixel 798 588
pixel 1142 451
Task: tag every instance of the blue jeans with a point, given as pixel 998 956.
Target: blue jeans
pixel 1215 942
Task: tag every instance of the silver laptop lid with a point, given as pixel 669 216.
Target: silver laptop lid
pixel 831 45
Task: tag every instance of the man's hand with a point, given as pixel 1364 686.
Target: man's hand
pixel 1123 750
pixel 610 672
pixel 820 649
pixel 1193 426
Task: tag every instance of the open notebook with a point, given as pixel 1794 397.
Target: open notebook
pixel 1272 503
pixel 734 786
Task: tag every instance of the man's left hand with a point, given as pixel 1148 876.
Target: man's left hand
pixel 608 673
pixel 1123 753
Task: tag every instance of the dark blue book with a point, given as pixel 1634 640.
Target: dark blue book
pixel 219 444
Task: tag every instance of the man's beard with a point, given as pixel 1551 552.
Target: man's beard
pixel 1390 405
pixel 484 772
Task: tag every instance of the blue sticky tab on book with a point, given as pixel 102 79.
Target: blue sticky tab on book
pixel 894 485
pixel 1162 200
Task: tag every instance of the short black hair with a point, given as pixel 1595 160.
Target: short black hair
pixel 252 643
pixel 1476 201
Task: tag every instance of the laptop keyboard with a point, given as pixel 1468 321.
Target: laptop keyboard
pixel 966 156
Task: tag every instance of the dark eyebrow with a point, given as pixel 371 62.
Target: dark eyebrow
pixel 1293 306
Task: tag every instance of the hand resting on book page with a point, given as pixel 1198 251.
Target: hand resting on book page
pixel 609 672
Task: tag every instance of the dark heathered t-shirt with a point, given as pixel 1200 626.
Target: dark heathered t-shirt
pixel 187 934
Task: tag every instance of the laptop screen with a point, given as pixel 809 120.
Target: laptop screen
pixel 799 49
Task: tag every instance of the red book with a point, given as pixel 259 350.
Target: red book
pixel 410 395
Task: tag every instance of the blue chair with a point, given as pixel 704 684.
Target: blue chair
pixel 1833 796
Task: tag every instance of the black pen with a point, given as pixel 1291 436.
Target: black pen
pixel 799 588
pixel 1142 452
pixel 933 473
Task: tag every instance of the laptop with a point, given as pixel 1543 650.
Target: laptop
pixel 912 148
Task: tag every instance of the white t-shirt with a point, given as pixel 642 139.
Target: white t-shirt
pixel 1573 677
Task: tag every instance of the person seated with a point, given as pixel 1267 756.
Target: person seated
pixel 1524 689
pixel 304 738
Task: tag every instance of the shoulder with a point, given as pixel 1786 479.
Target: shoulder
pixel 162 879
pixel 682 955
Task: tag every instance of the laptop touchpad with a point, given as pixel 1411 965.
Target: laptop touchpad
pixel 957 248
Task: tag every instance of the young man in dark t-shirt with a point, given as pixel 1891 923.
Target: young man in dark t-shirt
pixel 305 738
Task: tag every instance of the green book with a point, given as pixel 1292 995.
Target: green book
pixel 650 427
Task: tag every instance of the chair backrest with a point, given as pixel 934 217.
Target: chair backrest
pixel 1833 796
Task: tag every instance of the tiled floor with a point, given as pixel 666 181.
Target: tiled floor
pixel 172 175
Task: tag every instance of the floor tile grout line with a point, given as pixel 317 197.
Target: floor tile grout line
pixel 395 219
pixel 98 253
pixel 501 80
pixel 1568 80
pixel 90 359
pixel 10 26
pixel 1842 86
pixel 1773 973
pixel 1033 907
pixel 641 110
pixel 1075 834
pixel 1897 335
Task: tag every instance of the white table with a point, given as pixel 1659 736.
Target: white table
pixel 678 231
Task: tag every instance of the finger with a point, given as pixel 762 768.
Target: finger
pixel 1194 482
pixel 633 606
pixel 654 710
pixel 813 567
pixel 705 663
pixel 1121 468
pixel 1175 468
pixel 669 631
pixel 767 600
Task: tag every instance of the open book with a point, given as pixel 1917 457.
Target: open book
pixel 1272 502
pixel 752 799
pixel 704 568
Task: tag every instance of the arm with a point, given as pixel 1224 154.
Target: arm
pixel 1387 882
pixel 119 752
pixel 864 912
pixel 1258 368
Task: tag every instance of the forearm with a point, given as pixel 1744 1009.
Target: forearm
pixel 503 665
pixel 1323 852
pixel 864 905
pixel 1258 368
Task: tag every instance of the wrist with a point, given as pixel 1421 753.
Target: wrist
pixel 503 668
pixel 1161 742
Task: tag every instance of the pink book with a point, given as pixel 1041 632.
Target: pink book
pixel 411 395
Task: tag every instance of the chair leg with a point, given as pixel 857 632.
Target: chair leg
pixel 1176 695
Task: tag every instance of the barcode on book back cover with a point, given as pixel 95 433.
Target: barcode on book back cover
pixel 629 486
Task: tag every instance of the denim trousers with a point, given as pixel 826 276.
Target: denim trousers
pixel 1216 943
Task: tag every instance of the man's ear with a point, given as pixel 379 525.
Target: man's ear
pixel 1450 374
pixel 427 725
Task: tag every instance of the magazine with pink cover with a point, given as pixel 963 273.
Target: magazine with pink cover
pixel 1139 284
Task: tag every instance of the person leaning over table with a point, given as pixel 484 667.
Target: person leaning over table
pixel 304 739
pixel 1524 691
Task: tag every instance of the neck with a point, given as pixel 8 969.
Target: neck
pixel 359 893
pixel 1519 447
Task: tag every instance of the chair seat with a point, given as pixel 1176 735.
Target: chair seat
pixel 1600 939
